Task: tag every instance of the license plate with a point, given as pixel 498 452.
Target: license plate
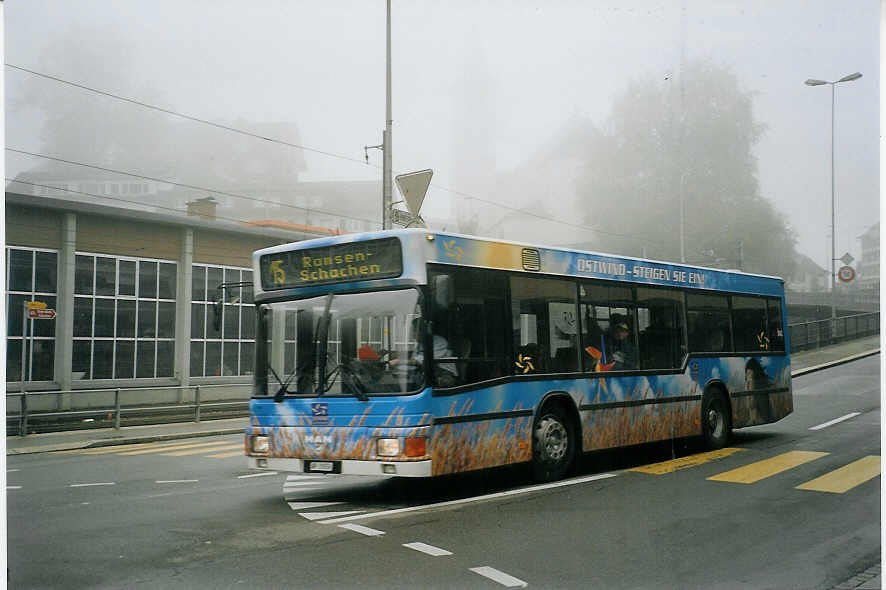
pixel 325 466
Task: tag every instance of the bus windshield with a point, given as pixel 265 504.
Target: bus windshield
pixel 353 344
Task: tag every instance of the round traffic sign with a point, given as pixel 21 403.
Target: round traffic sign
pixel 846 273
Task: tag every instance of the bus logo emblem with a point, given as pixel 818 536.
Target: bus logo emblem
pixel 320 413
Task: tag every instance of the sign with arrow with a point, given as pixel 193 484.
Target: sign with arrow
pixel 41 314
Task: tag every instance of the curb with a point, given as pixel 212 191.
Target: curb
pixel 829 364
pixel 94 444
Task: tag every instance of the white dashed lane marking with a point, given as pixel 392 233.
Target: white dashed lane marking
pixel 177 481
pixel 363 530
pixel 13 487
pixel 319 515
pixel 497 576
pixel 86 485
pixel 836 421
pixel 307 505
pixel 429 549
pixel 264 473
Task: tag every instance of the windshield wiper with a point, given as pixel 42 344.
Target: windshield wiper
pixel 353 384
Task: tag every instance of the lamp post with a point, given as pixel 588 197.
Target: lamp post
pixel 813 82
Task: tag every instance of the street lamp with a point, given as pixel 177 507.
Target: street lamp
pixel 814 82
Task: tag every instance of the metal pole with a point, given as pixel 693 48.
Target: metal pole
pixel 197 404
pixel 386 139
pixel 833 222
pixel 117 409
pixel 23 426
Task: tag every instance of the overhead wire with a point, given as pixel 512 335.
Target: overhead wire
pixel 292 145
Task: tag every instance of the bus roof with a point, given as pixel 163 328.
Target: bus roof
pixel 421 246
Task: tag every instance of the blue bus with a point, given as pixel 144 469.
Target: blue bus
pixel 420 353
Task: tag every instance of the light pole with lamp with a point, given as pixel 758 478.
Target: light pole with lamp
pixel 813 82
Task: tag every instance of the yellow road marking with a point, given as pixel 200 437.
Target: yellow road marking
pixel 685 462
pixel 845 478
pixel 227 447
pixel 239 453
pixel 119 448
pixel 162 449
pixel 768 467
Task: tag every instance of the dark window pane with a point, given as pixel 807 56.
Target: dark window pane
pixel 289 358
pixel 609 327
pixel 13 360
pixel 213 321
pixel 16 314
pixel 81 358
pixel 83 316
pixel 103 359
pixel 660 319
pixel 45 327
pixel 232 294
pixel 247 358
pixel 144 365
pixel 544 313
pixel 83 275
pixel 20 270
pixel 198 283
pixel 708 323
pixel 105 276
pixel 147 316
pixel 43 359
pixel 776 329
pixel 124 362
pixel 232 322
pixel 291 324
pixel 196 359
pixel 166 319
pixel 147 279
pixel 45 276
pixel 247 322
pixel 165 358
pixel 247 289
pixel 167 281
pixel 749 324
pixel 472 316
pixel 213 280
pixel 127 277
pixel 125 318
pixel 230 364
pixel 198 320
pixel 104 318
pixel 213 359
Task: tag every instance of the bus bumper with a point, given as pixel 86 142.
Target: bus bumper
pixel 347 467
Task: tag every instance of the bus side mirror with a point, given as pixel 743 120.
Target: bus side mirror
pixel 443 291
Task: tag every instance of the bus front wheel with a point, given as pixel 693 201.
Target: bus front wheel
pixel 553 444
pixel 716 424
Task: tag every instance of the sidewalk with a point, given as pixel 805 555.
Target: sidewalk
pixel 802 363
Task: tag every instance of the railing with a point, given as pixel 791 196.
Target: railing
pixel 192 411
pixel 808 335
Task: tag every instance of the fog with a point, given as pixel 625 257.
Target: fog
pixel 506 101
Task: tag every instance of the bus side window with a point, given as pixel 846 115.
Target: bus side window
pixel 749 324
pixel 661 328
pixel 544 313
pixel 709 326
pixel 776 327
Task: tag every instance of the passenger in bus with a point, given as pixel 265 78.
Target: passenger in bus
pixel 445 372
pixel 622 350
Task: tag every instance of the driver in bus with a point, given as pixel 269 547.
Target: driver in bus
pixel 445 372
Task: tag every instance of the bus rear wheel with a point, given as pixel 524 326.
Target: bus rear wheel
pixel 553 444
pixel 716 424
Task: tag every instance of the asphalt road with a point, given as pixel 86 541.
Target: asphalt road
pixel 176 515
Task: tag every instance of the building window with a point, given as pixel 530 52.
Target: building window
pixel 124 317
pixel 222 344
pixel 31 275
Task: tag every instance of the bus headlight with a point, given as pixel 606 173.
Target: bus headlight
pixel 388 447
pixel 260 445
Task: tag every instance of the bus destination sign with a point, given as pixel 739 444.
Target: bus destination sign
pixel 339 263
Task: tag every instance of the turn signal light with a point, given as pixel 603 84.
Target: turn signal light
pixel 416 447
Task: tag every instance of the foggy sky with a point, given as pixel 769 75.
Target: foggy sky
pixel 478 87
